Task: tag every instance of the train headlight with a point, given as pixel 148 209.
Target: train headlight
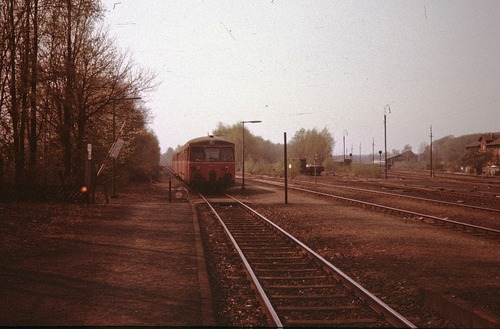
pixel 226 168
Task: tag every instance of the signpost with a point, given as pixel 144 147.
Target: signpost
pixel 115 148
pixel 88 161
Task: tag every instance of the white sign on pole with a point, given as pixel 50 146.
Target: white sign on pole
pixel 115 149
pixel 89 151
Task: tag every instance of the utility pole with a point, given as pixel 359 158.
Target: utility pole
pixel 315 158
pixel 432 170
pixel 286 168
pixel 345 133
pixel 359 152
pixel 113 175
pixel 243 151
pixel 387 107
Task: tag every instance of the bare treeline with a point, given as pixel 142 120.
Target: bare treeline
pixel 264 157
pixel 61 80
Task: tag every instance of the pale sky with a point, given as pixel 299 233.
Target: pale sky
pixel 315 64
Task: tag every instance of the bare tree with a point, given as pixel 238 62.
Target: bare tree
pixel 18 82
pixel 13 109
pixel 309 144
pixel 32 134
pixel 61 79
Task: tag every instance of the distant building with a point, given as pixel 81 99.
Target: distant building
pixel 404 158
pixel 487 143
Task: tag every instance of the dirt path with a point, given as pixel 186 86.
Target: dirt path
pixel 127 263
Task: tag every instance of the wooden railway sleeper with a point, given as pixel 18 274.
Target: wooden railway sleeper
pixel 329 285
pixel 322 296
pixel 318 308
pixel 369 322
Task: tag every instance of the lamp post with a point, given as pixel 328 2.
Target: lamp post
pixel 243 151
pixel 113 177
pixel 387 109
pixel 373 149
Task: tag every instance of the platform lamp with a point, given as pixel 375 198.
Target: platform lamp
pixel 243 151
pixel 113 177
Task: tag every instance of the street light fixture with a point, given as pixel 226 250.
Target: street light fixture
pixel 243 151
pixel 387 109
pixel 113 177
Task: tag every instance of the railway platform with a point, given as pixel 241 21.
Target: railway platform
pixel 136 263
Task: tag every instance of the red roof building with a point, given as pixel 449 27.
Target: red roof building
pixel 488 143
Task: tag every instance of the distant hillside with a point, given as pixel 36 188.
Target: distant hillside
pixel 166 158
pixel 449 151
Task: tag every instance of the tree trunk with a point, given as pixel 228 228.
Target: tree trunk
pixel 24 90
pixel 13 94
pixel 68 104
pixel 33 104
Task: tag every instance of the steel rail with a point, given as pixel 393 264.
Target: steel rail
pixel 407 197
pixel 274 319
pixel 485 194
pixel 393 317
pixel 485 181
pixel 451 177
pixel 407 212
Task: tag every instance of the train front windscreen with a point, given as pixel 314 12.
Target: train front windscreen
pixel 212 154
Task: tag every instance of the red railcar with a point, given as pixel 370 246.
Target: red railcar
pixel 206 162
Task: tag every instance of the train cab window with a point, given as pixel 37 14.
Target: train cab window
pixel 197 154
pixel 226 154
pixel 212 153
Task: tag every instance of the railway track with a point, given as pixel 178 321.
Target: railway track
pixel 409 197
pixel 484 187
pixel 296 286
pixel 467 226
pixel 472 199
pixel 469 193
pixel 444 176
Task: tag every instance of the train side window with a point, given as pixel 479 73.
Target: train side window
pixel 212 153
pixel 226 154
pixel 196 154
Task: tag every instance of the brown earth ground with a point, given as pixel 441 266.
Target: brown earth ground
pixel 112 264
pixel 131 262
pixel 392 256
